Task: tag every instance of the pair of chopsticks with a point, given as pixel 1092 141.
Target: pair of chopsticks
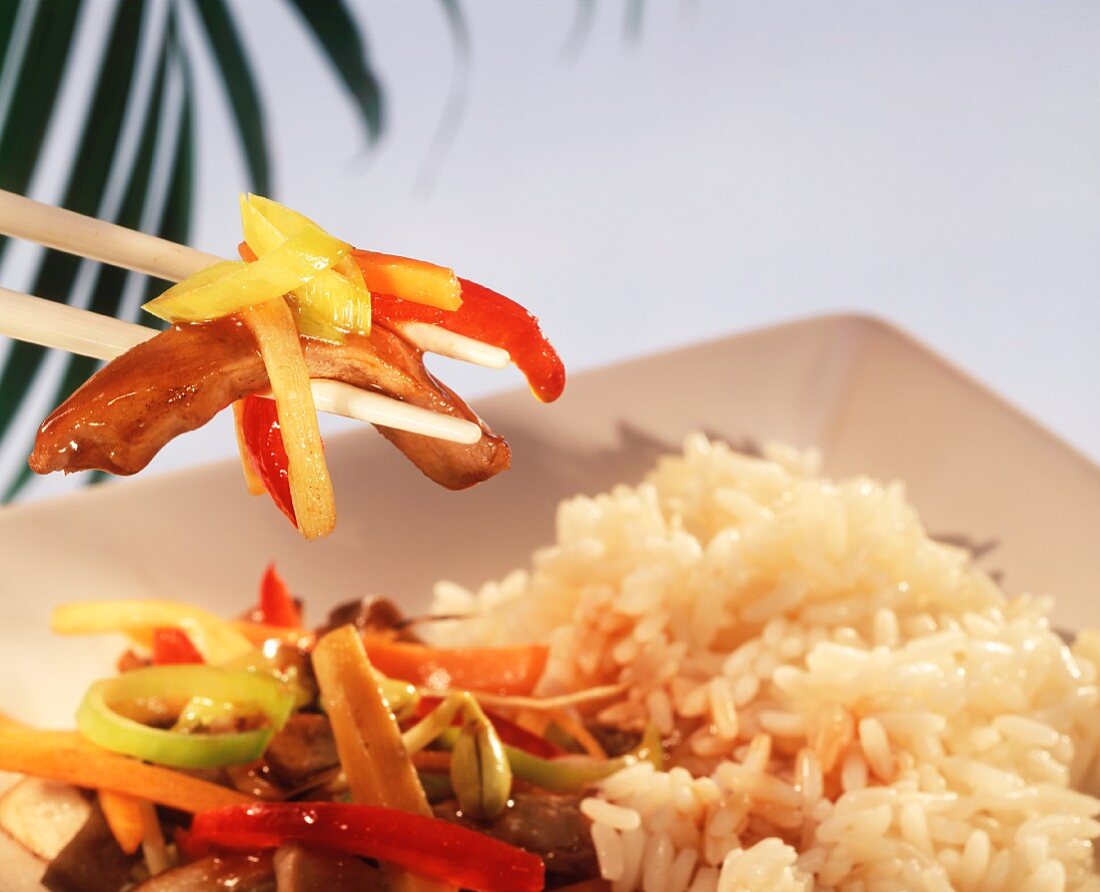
pixel 50 324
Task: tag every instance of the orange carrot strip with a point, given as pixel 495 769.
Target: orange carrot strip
pixel 66 756
pixel 497 670
pixel 124 817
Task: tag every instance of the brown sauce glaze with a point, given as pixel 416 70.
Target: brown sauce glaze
pixel 176 382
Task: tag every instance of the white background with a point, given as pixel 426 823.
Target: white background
pixel 737 164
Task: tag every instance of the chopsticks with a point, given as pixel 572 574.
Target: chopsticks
pixel 50 324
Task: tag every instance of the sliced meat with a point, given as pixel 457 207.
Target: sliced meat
pixel 298 869
pixel 372 613
pixel 304 747
pixel 91 862
pixel 550 826
pixel 241 873
pixel 176 382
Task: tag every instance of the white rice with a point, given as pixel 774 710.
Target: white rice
pixel 858 707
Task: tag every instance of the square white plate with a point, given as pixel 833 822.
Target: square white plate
pixel 868 396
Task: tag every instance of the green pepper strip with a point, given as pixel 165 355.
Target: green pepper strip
pixel 100 723
pixel 570 774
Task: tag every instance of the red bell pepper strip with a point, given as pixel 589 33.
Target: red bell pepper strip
pixel 171 646
pixel 426 846
pixel 509 732
pixel 492 318
pixel 264 440
pixel 496 670
pixel 277 606
pixel 267 453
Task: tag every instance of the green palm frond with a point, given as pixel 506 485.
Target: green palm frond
pixel 97 147
pixel 635 12
pixel 33 70
pixel 455 108
pixel 240 89
pixel 334 28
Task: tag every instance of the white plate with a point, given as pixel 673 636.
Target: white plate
pixel 867 395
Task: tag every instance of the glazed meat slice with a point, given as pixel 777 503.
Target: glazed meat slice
pixel 176 382
pixel 552 827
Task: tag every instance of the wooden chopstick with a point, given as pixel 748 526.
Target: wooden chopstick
pixel 52 324
pixel 73 233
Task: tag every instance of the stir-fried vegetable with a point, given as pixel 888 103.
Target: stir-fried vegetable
pixel 124 816
pixel 265 453
pixel 489 317
pixel 480 774
pixel 100 721
pixel 249 469
pixel 171 646
pixel 510 732
pixel 329 306
pixel 231 286
pixel 310 487
pixel 569 774
pixel 277 606
pixel 498 670
pixel 413 280
pixel 368 739
pixel 68 757
pixel 215 639
pixel 444 852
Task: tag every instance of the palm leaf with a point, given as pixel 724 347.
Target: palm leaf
pixel 240 88
pixel 635 12
pixel 453 111
pixel 335 29
pixel 87 184
pixel 23 128
pixel 175 218
pixel 579 30
pixel 8 12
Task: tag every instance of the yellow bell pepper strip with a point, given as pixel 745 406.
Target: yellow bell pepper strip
pixel 413 280
pixel 214 638
pixel 231 286
pixel 310 486
pixel 100 723
pixel 368 740
pixel 124 817
pixel 441 852
pixel 333 304
pixel 497 670
pixel 68 757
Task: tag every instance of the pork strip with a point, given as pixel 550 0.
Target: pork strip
pixel 176 382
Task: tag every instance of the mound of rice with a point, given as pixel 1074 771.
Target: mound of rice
pixel 850 704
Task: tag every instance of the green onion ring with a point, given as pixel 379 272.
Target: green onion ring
pixel 101 724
